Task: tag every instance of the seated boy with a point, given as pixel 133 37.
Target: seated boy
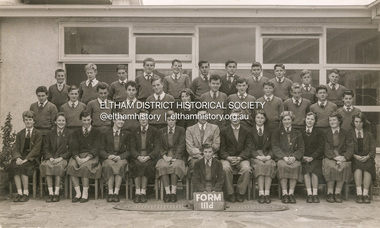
pixel 58 92
pixel 25 156
pixel 208 173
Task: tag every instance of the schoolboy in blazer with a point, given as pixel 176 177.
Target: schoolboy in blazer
pixel 204 181
pixel 235 147
pixel 228 81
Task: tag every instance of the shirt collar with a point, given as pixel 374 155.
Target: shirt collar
pixel 305 87
pixel 162 95
pixel 94 82
pixel 131 101
pixel 172 128
pixel 75 103
pixel 179 76
pixel 203 77
pixel 309 128
pixel 200 126
pixel 357 132
pixel 336 129
pixel 270 97
pixel 146 75
pixel 100 101
pixel 43 104
pixel 58 130
pixel 320 102
pixel 258 78
pixel 351 108
pixel 280 80
pixel 31 131
pixel 262 128
pixel 114 131
pixel 212 93
pixel 89 128
pixel 299 100
pixel 207 162
pixel 244 95
pixel 237 128
pixel 121 82
pixel 331 86
pixel 146 127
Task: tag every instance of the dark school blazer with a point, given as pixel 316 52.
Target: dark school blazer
pixel 230 147
pixel 107 145
pixel 50 147
pixel 199 175
pixel 152 142
pixel 281 147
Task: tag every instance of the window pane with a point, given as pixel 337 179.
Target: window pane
pixel 219 44
pixel 163 45
pixel 353 46
pixel 100 40
pixel 165 72
pixel 374 118
pixel 286 50
pixel 106 73
pixel 365 85
pixel 294 75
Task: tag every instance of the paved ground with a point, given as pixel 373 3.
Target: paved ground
pixel 99 213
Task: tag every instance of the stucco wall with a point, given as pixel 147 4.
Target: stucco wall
pixel 29 51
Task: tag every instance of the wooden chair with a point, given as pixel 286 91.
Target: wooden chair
pixel 33 183
pixel 155 185
pixel 96 185
pixel 180 181
pixel 126 185
pixel 65 183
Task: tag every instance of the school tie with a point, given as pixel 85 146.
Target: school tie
pixel 143 131
pixel 241 96
pixel 73 105
pixel 28 134
pixel 205 78
pixel 90 84
pixel 209 162
pixel 170 130
pixel 297 102
pixel 116 133
pixel 176 77
pixel 260 132
pixel 322 105
pixel 348 109
pixel 60 87
pixel 202 132
pixel 288 131
pixel 307 88
pixel 256 78
pixel 333 86
pixel 359 135
pixel 213 95
pixel 59 138
pixel 308 132
pixel 86 132
pixel 41 105
pixel 268 99
pixel 336 138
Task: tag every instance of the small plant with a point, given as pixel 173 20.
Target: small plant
pixel 9 138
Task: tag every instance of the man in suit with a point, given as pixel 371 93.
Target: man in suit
pixel 229 80
pixel 199 134
pixel 114 152
pixel 208 172
pixel 145 147
pixel 236 145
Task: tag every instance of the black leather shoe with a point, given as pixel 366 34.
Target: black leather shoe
pixel 110 198
pixel 239 198
pixel 167 198
pixel 359 199
pixel 115 198
pixel 49 199
pixel 292 199
pixel 315 199
pixel 137 198
pixel 75 200
pixel 366 199
pixel 83 200
pixel 24 198
pixel 338 198
pixel 267 199
pixel 18 198
pixel 173 198
pixel 285 199
pixel 261 199
pixel 309 199
pixel 330 198
pixel 143 198
pixel 231 198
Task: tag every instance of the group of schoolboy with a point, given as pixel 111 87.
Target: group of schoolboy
pixel 65 134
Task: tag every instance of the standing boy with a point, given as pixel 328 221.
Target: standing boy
pixel 72 109
pixel 334 89
pixel 298 105
pixel 200 85
pixel 44 110
pixel 307 91
pixel 87 89
pixel 176 82
pixel 348 110
pixel 281 83
pixel 228 81
pixel 132 106
pixel 255 83
pixel 117 91
pixel 58 93
pixel 323 108
pixel 144 81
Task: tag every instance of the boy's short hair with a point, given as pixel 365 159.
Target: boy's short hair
pixel 59 70
pixel 305 72
pixel 122 67
pixel 73 87
pixel 148 60
pixel 28 114
pixel 206 146
pixel 101 85
pixel 41 89
pixel 58 115
pixel 91 66
pixel 337 115
pixel 268 83
pixel 176 61
pixel 130 83
pixel 156 78
pixel 348 92
pixel 201 62
pixel 336 71
pixel 256 64
pixel 214 77
pixel 83 114
pixel 320 87
pixel 229 62
pixel 279 65
pixel 241 80
pixel 295 86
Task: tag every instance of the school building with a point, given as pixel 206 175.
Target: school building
pixel 39 36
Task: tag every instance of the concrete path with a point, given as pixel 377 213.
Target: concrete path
pixel 99 213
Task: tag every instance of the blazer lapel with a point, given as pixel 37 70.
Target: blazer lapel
pixel 284 136
pixel 23 132
pixel 198 133
pixel 255 134
pixel 138 138
pixel 365 137
pixel 207 133
pixel 230 132
pixel 175 136
pixel 353 134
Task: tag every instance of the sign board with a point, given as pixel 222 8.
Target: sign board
pixel 208 201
